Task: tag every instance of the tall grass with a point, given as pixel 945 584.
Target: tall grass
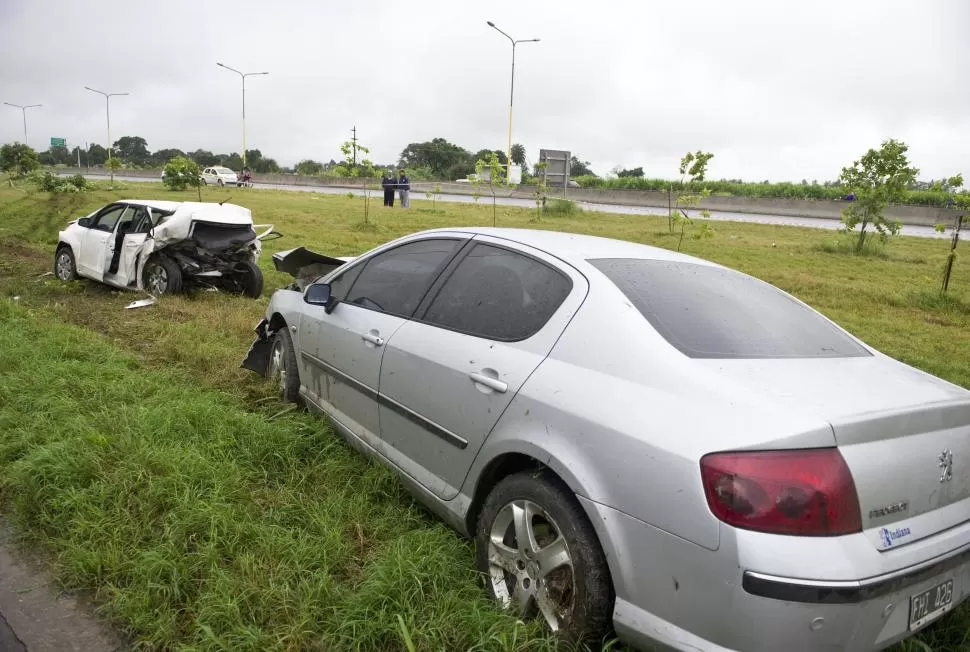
pixel 197 523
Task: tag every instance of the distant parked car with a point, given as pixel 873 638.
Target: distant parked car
pixel 219 176
pixel 163 247
pixel 639 438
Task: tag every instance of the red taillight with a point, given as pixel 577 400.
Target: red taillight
pixel 800 492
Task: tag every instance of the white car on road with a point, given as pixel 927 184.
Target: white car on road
pixel 219 176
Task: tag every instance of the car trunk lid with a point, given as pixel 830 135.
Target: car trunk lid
pixel 904 434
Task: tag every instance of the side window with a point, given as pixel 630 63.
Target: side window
pixel 340 285
pixel 395 281
pixel 498 294
pixel 106 221
pixel 142 222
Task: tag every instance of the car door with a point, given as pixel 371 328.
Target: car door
pixel 132 231
pixel 449 374
pixel 92 260
pixel 341 351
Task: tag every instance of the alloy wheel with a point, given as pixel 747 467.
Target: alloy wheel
pixel 530 567
pixel 157 279
pixel 64 266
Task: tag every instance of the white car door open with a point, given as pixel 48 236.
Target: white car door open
pixel 96 241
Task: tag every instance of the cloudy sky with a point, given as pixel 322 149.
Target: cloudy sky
pixel 776 89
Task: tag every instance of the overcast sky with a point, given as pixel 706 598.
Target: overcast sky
pixel 775 89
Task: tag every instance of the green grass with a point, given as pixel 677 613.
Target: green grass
pixel 202 514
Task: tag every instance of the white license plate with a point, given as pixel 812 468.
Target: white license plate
pixel 930 604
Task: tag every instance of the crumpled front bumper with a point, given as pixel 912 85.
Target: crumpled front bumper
pixel 257 359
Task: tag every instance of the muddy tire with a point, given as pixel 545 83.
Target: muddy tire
pixel 541 558
pixel 64 266
pixel 162 276
pixel 249 278
pixel 282 368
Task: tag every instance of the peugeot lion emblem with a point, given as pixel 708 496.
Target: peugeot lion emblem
pixel 946 464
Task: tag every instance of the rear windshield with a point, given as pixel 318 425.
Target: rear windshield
pixel 712 312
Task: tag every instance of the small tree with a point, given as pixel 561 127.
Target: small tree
pixel 693 169
pixel 541 188
pixel 878 179
pixel 113 164
pixel 518 155
pixel 495 171
pixel 432 194
pixel 18 159
pixel 180 173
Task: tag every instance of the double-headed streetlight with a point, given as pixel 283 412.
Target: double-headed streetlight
pixel 107 113
pixel 23 109
pixel 514 42
pixel 242 75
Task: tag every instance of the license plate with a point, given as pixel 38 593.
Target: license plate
pixel 930 605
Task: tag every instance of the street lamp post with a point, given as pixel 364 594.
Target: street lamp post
pixel 514 42
pixel 243 76
pixel 107 113
pixel 23 109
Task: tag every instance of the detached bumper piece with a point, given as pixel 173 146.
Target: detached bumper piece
pixel 257 359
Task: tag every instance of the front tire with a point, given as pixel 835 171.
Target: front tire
pixel 540 556
pixel 64 266
pixel 282 367
pixel 162 276
pixel 249 277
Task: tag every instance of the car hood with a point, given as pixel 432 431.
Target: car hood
pixel 305 265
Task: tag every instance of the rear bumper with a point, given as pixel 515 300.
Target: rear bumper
pixel 674 595
pixel 815 592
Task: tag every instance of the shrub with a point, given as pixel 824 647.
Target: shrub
pixel 180 173
pixel 561 208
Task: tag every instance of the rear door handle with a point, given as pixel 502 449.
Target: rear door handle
pixel 488 381
pixel 373 339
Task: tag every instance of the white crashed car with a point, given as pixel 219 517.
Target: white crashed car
pixel 219 176
pixel 163 247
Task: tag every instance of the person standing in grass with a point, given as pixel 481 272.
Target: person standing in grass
pixel 388 183
pixel 404 187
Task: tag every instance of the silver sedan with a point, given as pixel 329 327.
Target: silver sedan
pixel 639 441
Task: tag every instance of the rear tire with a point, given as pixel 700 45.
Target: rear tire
pixel 162 276
pixel 282 367
pixel 64 266
pixel 249 278
pixel 560 577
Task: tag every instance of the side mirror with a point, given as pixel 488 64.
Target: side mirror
pixel 85 222
pixel 319 294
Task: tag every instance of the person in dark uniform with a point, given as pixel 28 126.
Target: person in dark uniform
pixel 389 184
pixel 404 188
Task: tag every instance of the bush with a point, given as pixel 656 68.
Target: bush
pixel 180 173
pixel 47 181
pixel 561 208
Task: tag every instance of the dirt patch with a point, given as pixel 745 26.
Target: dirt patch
pixel 37 617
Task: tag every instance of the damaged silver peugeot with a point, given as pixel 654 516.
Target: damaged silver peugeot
pixel 164 247
pixel 639 439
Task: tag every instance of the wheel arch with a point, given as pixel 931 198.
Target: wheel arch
pixel 516 456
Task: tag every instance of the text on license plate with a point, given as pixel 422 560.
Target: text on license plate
pixel 930 604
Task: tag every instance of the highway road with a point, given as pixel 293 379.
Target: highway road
pixel 811 222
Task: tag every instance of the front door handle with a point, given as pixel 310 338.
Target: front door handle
pixel 373 338
pixel 488 381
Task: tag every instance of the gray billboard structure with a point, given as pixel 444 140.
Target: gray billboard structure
pixel 556 172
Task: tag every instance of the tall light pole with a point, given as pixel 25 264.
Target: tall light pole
pixel 23 109
pixel 243 76
pixel 107 113
pixel 508 152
